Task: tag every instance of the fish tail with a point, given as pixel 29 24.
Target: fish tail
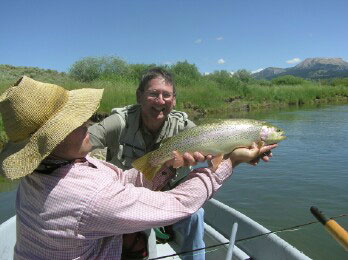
pixel 143 165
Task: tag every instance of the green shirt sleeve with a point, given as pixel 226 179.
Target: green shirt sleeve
pixel 107 132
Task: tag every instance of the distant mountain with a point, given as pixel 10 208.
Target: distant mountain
pixel 322 63
pixel 311 68
pixel 269 72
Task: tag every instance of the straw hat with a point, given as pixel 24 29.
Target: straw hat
pixel 37 117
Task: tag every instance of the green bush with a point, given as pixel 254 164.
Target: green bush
pixel 184 73
pixel 183 68
pixel 224 79
pixel 340 82
pixel 288 80
pixel 243 75
pixel 137 70
pixel 263 82
pixel 92 68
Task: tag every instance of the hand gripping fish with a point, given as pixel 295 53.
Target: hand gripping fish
pixel 217 139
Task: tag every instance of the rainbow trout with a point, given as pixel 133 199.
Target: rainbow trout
pixel 217 139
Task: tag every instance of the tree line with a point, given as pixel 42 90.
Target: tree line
pixel 89 69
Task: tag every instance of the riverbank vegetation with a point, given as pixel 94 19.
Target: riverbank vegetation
pixel 220 92
pixel 197 94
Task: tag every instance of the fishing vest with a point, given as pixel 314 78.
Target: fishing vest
pixel 131 144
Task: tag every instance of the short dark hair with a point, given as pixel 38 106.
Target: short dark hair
pixel 156 72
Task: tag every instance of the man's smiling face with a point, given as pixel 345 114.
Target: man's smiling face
pixel 157 101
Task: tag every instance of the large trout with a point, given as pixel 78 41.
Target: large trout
pixel 217 139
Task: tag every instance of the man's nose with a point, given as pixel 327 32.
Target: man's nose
pixel 160 99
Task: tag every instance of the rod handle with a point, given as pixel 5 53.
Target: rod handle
pixel 336 231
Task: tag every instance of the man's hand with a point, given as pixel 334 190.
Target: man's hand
pixel 187 159
pixel 252 155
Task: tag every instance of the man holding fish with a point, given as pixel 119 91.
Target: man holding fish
pixel 71 206
pixel 133 131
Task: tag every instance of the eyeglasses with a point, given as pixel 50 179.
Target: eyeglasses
pixel 156 94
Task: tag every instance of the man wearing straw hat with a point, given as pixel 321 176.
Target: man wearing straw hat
pixel 71 206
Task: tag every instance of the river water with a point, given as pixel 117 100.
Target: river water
pixel 308 169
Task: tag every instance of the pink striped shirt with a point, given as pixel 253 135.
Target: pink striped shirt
pixel 81 210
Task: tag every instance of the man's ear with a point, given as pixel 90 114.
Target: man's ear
pixel 174 101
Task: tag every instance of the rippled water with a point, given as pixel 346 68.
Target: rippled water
pixel 308 169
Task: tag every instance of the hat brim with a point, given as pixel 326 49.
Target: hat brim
pixel 20 159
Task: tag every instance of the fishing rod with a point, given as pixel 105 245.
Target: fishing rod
pixel 256 236
pixel 335 230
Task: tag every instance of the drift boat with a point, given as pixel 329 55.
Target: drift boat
pixel 219 219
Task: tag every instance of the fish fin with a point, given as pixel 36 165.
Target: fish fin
pixel 216 161
pixel 143 165
pixel 260 144
pixel 178 160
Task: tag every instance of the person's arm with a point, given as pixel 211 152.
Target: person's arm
pixel 106 133
pixel 133 176
pixel 124 208
pixel 121 207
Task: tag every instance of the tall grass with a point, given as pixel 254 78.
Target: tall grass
pixel 216 98
pixel 116 93
pixel 210 95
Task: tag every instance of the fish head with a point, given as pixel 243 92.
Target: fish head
pixel 271 134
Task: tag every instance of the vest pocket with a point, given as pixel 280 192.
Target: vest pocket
pixel 127 154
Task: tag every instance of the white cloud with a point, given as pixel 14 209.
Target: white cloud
pixel 219 38
pixel 198 41
pixel 206 73
pixel 256 71
pixel 167 63
pixel 221 61
pixel 294 60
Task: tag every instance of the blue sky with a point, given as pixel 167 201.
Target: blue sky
pixel 212 34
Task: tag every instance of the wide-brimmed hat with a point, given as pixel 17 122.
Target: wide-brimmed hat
pixel 38 116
